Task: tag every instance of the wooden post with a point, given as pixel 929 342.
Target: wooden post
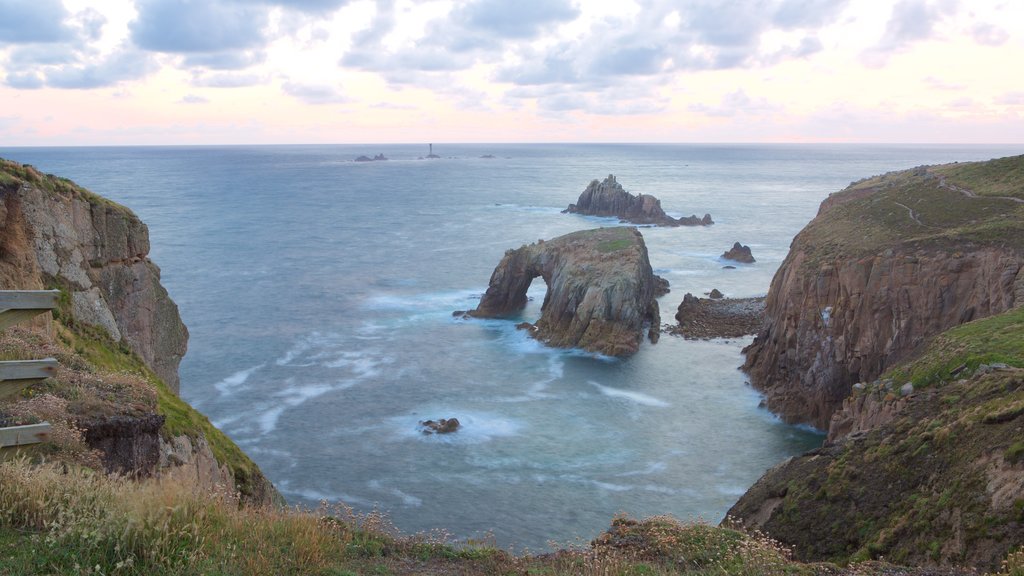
pixel 22 435
pixel 15 376
pixel 17 306
pixel 20 305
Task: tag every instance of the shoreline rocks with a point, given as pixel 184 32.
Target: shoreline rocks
pixel 609 198
pixel 706 318
pixel 601 290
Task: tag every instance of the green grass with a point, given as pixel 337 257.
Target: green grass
pixel 13 173
pixel 910 208
pixel 996 339
pixel 999 177
pixel 615 245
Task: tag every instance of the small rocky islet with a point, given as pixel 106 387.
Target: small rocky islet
pixel 608 198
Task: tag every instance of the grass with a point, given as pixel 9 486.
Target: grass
pixel 13 174
pixel 996 339
pixel 58 520
pixel 910 208
pixel 999 177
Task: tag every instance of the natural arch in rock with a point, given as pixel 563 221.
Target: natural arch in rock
pixel 600 290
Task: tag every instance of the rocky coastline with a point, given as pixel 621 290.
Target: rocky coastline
pixel 707 318
pixel 896 323
pixel 57 235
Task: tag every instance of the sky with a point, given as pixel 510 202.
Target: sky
pixel 140 72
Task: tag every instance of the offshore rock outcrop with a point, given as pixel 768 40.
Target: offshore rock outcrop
pixel 56 234
pixel 609 198
pixel 887 264
pixel 601 290
pixel 739 253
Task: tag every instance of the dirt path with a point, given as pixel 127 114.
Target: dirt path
pixel 971 193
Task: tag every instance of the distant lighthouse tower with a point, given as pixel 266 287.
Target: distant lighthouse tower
pixel 431 154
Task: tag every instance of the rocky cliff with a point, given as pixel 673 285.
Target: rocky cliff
pixel 117 335
pixel 56 234
pixel 601 290
pixel 924 466
pixel 887 264
pixel 609 198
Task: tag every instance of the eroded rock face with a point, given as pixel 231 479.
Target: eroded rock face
pixel 609 198
pixel 601 290
pixel 846 322
pixel 868 281
pixel 56 234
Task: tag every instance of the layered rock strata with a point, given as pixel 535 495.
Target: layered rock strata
pixel 56 234
pixel 601 290
pixel 886 264
pixel 609 198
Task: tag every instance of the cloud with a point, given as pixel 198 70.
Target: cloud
pixel 520 19
pixel 24 80
pixel 315 93
pixel 225 60
pixel 1011 99
pixel 911 21
pixel 474 31
pixel 734 104
pixel 25 21
pixel 989 35
pixel 193 99
pixel 184 26
pixel 122 65
pixel 226 80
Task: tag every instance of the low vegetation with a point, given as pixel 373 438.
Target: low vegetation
pixel 933 208
pixel 961 350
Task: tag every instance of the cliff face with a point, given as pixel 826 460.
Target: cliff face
pixel 886 264
pixel 58 234
pixel 601 290
pixel 609 198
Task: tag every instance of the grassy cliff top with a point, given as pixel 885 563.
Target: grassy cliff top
pixel 952 205
pixel 15 174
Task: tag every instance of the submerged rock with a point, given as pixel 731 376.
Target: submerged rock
pixel 601 290
pixel 739 253
pixel 442 426
pixel 609 198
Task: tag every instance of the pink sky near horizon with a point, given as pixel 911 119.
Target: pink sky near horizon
pixel 336 71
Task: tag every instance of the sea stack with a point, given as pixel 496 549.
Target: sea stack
pixel 601 290
pixel 609 198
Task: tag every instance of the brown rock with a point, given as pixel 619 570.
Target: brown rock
pixel 442 426
pixel 601 290
pixel 609 198
pixel 739 253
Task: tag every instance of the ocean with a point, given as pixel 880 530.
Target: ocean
pixel 319 294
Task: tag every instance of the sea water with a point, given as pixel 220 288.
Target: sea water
pixel 319 294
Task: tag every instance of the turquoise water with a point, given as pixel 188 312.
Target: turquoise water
pixel 319 292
